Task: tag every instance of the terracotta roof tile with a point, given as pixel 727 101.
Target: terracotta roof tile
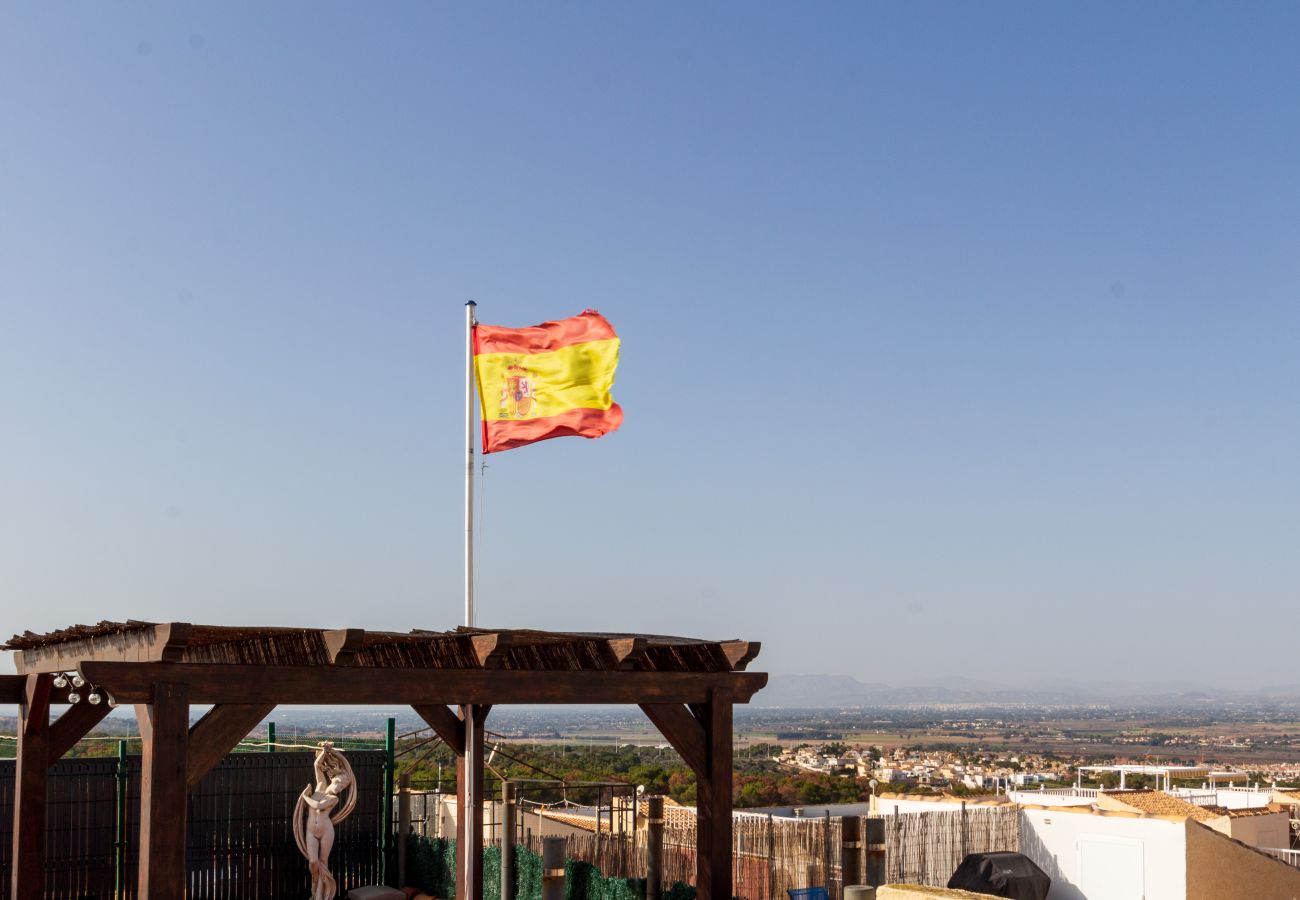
pixel 675 815
pixel 1158 803
pixel 585 821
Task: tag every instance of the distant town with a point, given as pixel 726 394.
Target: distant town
pixel 915 747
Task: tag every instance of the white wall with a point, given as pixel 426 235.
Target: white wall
pixel 1245 799
pixel 1043 798
pixel 887 806
pixel 1232 799
pixel 1095 857
pixel 1272 831
pixel 434 815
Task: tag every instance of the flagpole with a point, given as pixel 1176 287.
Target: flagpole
pixel 470 816
pixel 469 462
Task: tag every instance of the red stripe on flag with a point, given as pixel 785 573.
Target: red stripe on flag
pixel 505 434
pixel 586 326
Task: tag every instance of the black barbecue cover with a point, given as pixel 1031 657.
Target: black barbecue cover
pixel 1001 875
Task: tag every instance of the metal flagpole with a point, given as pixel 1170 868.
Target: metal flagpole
pixel 468 783
pixel 469 462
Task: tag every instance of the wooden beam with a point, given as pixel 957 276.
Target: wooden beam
pixel 680 729
pixel 147 643
pixel 668 654
pixel 217 733
pixel 341 685
pixel 12 688
pixel 72 726
pixel 491 649
pixel 713 877
pixel 445 723
pixel 625 653
pixel 164 733
pixel 343 644
pixel 27 878
pixel 590 652
pixel 740 653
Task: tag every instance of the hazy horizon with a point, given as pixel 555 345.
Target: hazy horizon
pixel 953 340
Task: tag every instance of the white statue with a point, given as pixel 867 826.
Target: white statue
pixel 318 810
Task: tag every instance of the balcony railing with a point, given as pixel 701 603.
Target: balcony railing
pixel 1290 857
pixel 1027 795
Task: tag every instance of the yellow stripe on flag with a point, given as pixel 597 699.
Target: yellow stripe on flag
pixel 517 387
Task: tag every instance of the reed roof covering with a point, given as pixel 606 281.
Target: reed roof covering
pixel 461 648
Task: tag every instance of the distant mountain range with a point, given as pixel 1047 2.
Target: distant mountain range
pixel 844 690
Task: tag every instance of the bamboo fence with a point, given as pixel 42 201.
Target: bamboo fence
pixel 925 848
pixel 774 855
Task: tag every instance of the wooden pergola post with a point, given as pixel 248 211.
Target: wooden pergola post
pixel 41 743
pixel 28 876
pixel 508 829
pixel 164 735
pixel 701 735
pixel 469 800
pixel 713 802
pixel 463 734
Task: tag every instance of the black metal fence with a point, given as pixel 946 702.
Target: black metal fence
pixel 240 835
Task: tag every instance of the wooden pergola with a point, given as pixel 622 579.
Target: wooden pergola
pixel 452 679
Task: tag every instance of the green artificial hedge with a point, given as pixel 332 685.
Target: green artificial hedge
pixel 431 866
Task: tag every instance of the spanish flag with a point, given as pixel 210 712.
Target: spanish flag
pixel 547 381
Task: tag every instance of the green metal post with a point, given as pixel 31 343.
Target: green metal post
pixel 270 737
pixel 386 832
pixel 119 831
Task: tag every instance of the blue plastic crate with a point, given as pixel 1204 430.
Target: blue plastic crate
pixel 808 893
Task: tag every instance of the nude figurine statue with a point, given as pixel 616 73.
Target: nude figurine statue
pixel 318 810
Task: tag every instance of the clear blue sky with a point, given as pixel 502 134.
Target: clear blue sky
pixel 941 322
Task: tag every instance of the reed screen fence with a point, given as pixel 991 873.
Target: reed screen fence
pixel 774 855
pixel 926 848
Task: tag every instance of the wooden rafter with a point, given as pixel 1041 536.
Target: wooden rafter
pixel 491 649
pixel 625 653
pixel 462 648
pixel 139 642
pixel 343 644
pixel 740 653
